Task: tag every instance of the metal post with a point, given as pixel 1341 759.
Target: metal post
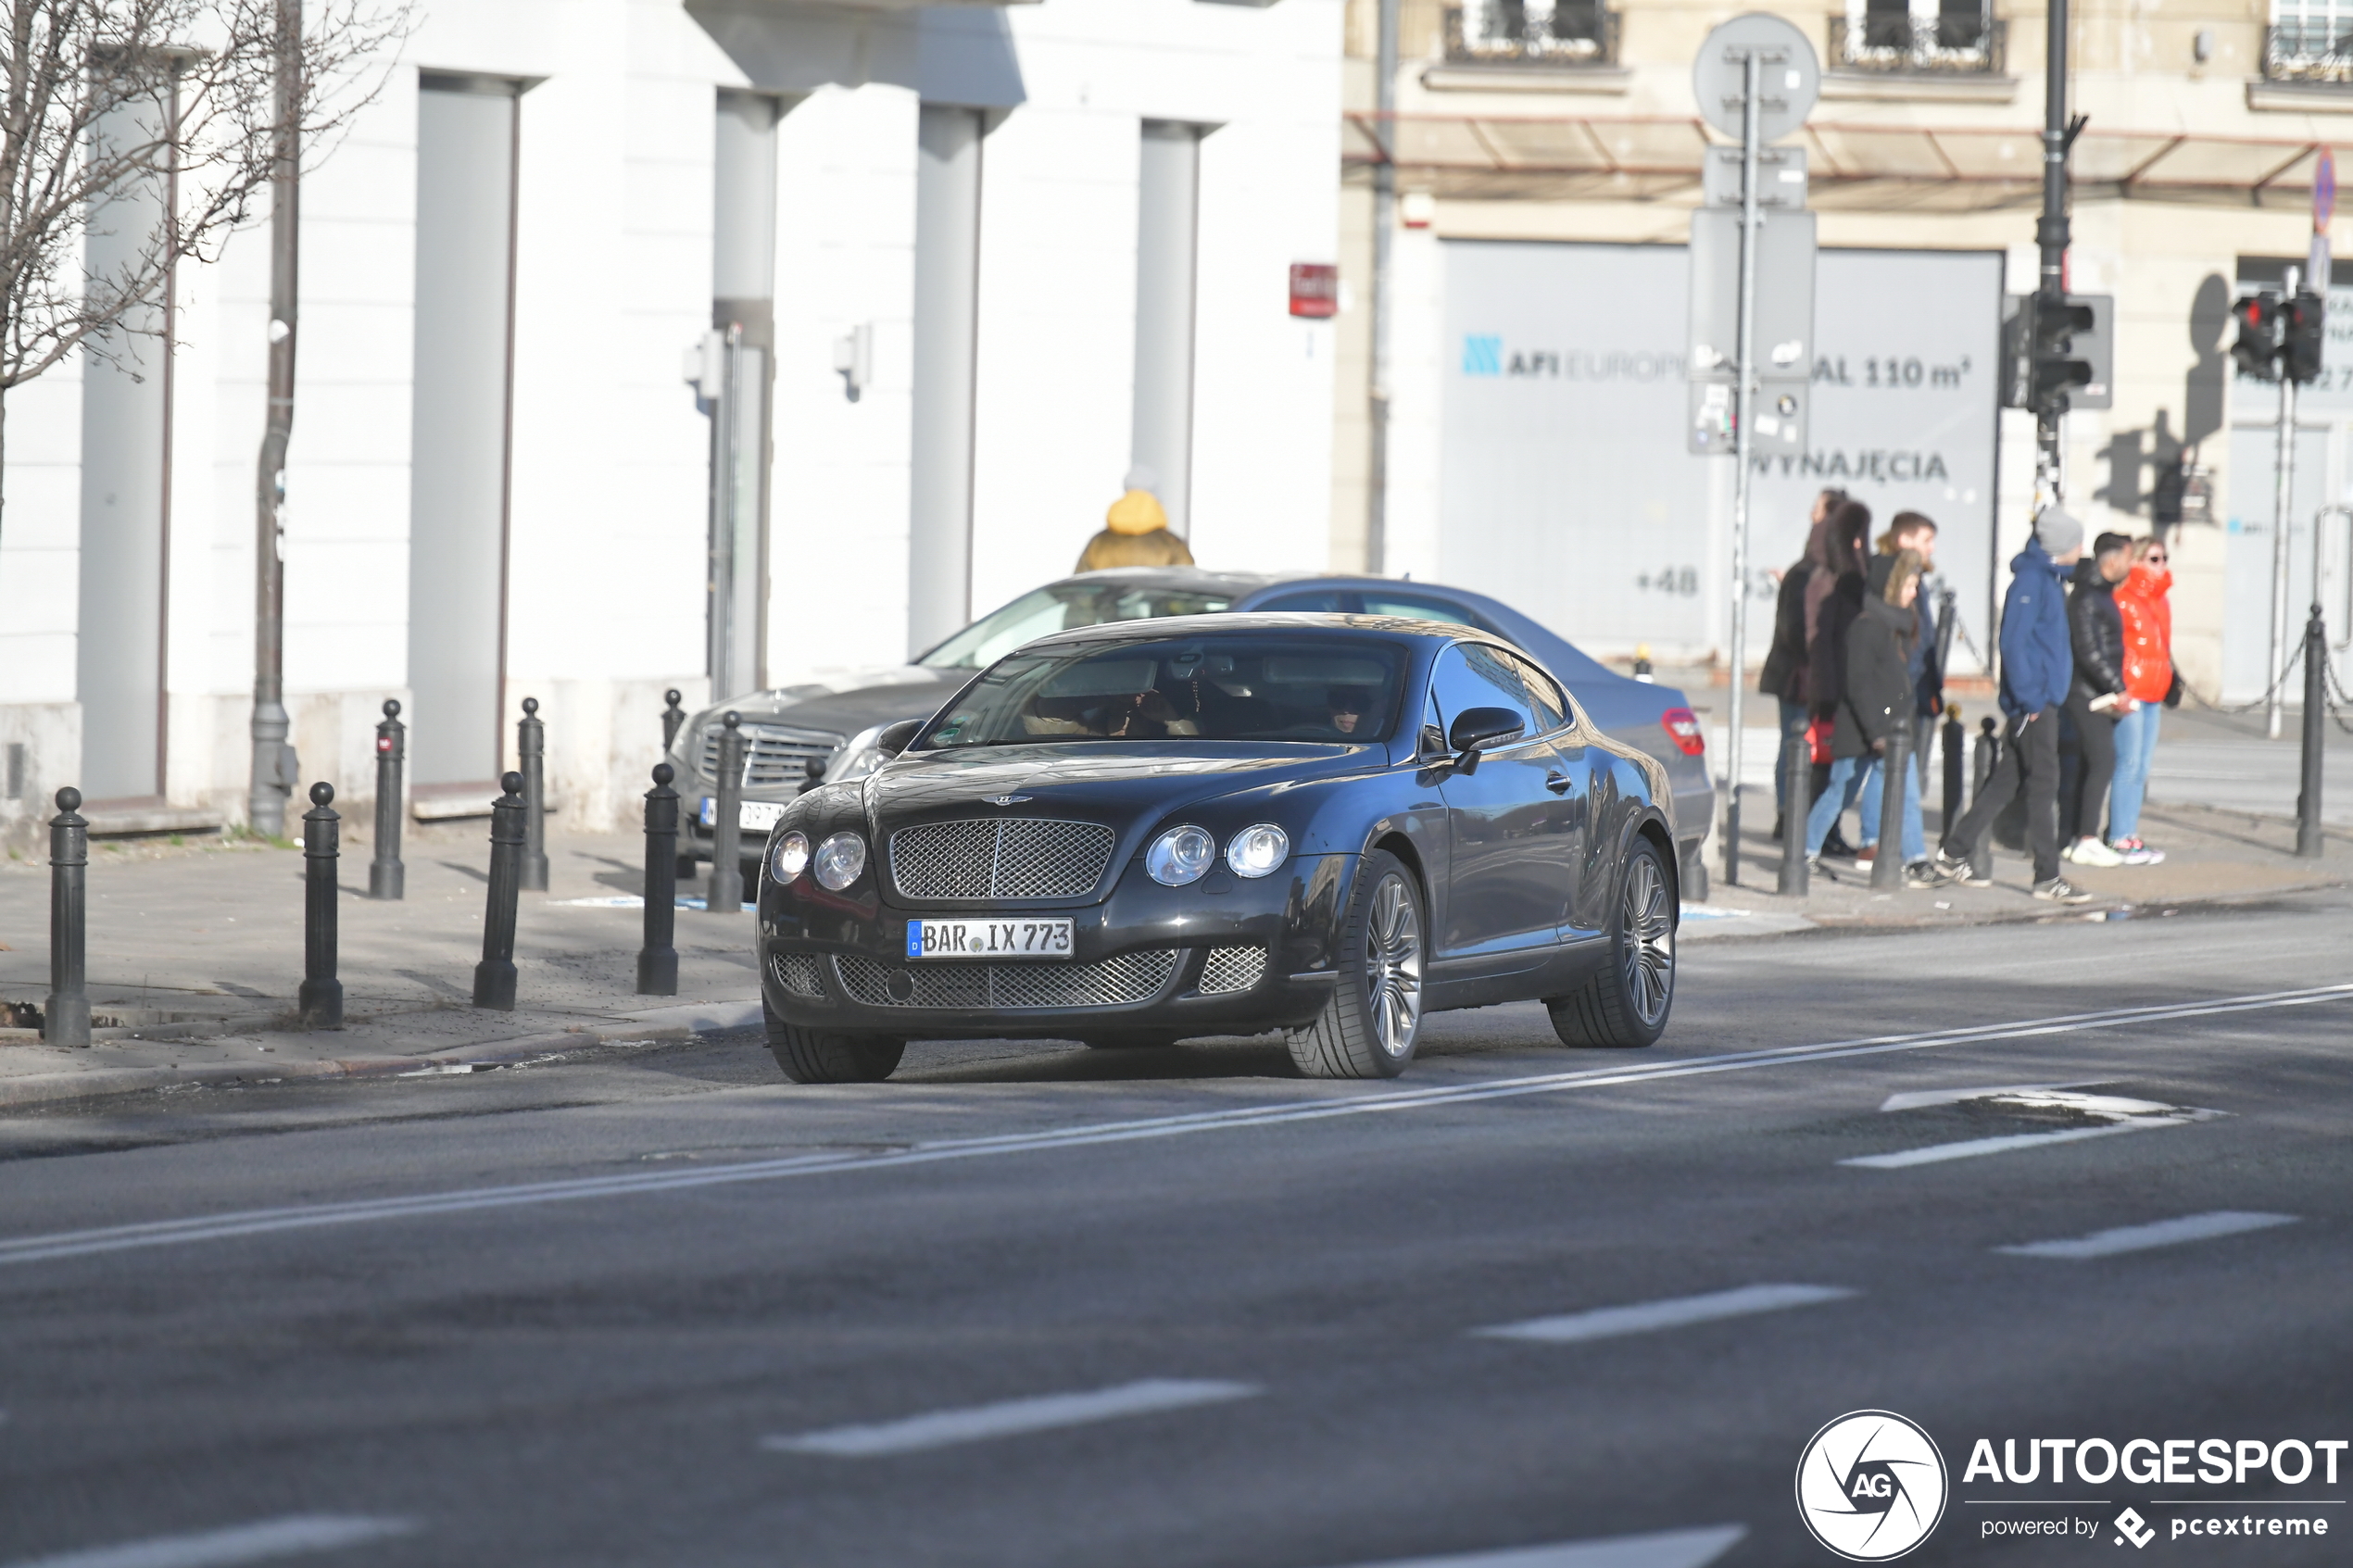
pixel 65 1017
pixel 320 1002
pixel 386 877
pixel 671 717
pixel 1887 866
pixel 1981 858
pixel 531 752
pixel 1744 399
pixel 2051 235
pixel 725 893
pixel 494 975
pixel 1797 785
pixel 2283 483
pixel 658 960
pixel 1384 287
pixel 2316 696
pixel 1956 764
pixel 274 771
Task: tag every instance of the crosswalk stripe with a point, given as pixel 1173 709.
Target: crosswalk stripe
pixel 1646 1317
pixel 2142 1238
pixel 1010 1418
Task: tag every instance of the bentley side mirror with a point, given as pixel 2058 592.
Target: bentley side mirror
pixel 894 739
pixel 1477 728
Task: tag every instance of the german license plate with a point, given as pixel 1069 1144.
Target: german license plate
pixel 988 938
pixel 752 816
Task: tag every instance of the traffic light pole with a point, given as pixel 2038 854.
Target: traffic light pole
pixel 1743 405
pixel 2284 483
pixel 2051 234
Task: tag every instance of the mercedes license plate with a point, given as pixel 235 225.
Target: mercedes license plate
pixel 988 938
pixel 752 816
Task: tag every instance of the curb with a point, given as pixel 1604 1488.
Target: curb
pixel 656 1023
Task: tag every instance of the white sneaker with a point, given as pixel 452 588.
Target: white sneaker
pixel 2092 852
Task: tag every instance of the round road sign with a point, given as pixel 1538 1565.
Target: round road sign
pixel 1788 69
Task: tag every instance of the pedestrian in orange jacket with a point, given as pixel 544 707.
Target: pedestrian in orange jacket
pixel 2149 679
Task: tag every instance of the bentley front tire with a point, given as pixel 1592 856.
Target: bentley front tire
pixel 1370 1027
pixel 828 1056
pixel 1627 1001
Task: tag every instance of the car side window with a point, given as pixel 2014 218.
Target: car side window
pixel 1322 603
pixel 1472 676
pixel 1544 695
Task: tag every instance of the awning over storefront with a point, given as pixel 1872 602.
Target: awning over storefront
pixel 1582 157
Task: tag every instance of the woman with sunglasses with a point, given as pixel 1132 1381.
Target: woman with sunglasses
pixel 2149 680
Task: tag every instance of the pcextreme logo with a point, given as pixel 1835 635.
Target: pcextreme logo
pixel 1871 1485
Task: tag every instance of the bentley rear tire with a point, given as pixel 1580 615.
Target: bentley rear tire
pixel 1626 1001
pixel 828 1056
pixel 1370 1027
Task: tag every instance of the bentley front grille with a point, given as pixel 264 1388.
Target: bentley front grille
pixel 774 757
pixel 1114 982
pixel 1014 857
pixel 798 974
pixel 1232 968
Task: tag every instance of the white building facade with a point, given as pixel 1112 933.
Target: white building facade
pixel 953 269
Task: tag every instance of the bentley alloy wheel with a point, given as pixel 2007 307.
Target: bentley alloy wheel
pixel 1368 1028
pixel 1393 964
pixel 1626 999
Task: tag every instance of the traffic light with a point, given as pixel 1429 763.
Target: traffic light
pixel 2258 348
pixel 2056 323
pixel 2304 335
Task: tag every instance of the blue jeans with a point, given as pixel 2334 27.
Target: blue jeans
pixel 1915 839
pixel 1837 795
pixel 2135 744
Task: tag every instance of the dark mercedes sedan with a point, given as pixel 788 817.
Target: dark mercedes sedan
pixel 833 724
pixel 1327 825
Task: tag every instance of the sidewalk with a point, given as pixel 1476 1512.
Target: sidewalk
pixel 196 953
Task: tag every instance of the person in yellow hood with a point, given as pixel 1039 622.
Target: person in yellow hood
pixel 1134 531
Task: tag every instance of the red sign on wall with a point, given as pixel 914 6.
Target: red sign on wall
pixel 1314 289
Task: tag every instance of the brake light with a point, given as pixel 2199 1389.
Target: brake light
pixel 1682 725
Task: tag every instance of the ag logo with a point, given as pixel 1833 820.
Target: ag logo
pixel 1871 1485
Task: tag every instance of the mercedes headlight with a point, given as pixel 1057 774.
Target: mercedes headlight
pixel 789 857
pixel 1257 850
pixel 839 859
pixel 1180 856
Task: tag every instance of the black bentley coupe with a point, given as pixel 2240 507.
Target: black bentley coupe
pixel 1329 825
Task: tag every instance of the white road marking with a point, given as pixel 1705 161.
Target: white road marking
pixel 2118 1113
pixel 1010 1418
pixel 1667 1548
pixel 1922 1099
pixel 2141 1238
pixel 1344 1102
pixel 292 1536
pixel 1645 1317
pixel 1972 1148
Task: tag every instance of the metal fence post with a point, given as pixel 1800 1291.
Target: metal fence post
pixel 1981 858
pixel 65 1017
pixel 1956 764
pixel 658 960
pixel 320 1001
pixel 494 975
pixel 2316 671
pixel 1797 788
pixel 671 717
pixel 725 891
pixel 1887 866
pixel 531 752
pixel 386 877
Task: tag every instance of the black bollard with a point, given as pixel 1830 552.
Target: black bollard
pixel 65 1017
pixel 386 877
pixel 2316 698
pixel 1797 789
pixel 1956 764
pixel 531 752
pixel 1887 866
pixel 658 960
pixel 814 772
pixel 1981 859
pixel 320 1000
pixel 724 894
pixel 494 975
pixel 671 717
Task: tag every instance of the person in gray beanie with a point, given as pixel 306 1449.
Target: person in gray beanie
pixel 2038 666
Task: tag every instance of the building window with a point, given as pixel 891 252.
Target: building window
pixel 1918 38
pixel 2310 40
pixel 1546 33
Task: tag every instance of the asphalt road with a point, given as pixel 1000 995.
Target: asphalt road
pixel 657 1307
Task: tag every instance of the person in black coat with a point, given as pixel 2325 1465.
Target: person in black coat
pixel 2096 698
pixel 1876 692
pixel 1785 673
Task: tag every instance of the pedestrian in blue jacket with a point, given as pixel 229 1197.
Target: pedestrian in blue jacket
pixel 2038 664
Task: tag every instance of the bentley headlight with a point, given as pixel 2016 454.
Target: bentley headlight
pixel 839 859
pixel 790 857
pixel 1257 850
pixel 1180 857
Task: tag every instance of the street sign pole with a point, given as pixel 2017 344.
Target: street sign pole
pixel 2283 476
pixel 2051 235
pixel 1743 407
